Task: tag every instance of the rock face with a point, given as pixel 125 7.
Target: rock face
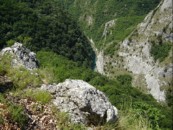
pixel 135 51
pixel 21 56
pixel 100 63
pixel 84 103
pixel 108 26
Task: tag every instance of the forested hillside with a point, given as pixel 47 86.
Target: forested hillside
pixel 42 24
pixel 108 21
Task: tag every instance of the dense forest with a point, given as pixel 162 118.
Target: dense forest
pixel 42 24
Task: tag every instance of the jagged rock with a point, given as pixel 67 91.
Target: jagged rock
pixel 135 51
pixel 108 25
pixel 166 4
pixel 21 56
pixel 84 103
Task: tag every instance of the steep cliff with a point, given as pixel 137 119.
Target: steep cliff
pixel 151 68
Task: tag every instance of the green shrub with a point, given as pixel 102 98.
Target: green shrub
pixel 111 49
pixel 17 115
pixel 160 51
pixel 169 96
pixel 131 120
pixel 125 80
pixel 10 42
pixel 150 112
pixel 20 76
pixel 23 78
pixel 16 112
pixel 38 95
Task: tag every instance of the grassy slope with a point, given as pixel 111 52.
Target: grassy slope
pixel 120 91
pixel 140 107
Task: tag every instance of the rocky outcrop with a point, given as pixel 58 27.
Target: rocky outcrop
pixel 108 26
pixel 21 56
pixel 100 63
pixel 135 50
pixel 84 103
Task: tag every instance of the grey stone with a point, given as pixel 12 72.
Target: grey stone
pixel 21 56
pixel 83 102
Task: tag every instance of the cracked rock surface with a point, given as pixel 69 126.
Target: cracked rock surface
pixel 21 56
pixel 84 103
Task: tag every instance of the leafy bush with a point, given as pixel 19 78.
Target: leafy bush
pixel 151 113
pixel 125 80
pixel 160 51
pixel 111 49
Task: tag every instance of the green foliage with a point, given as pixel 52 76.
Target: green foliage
pixel 20 77
pixel 120 92
pixel 160 51
pixel 125 80
pixel 10 42
pixel 38 95
pixel 58 68
pixel 23 78
pixel 127 14
pixel 2 100
pixel 17 114
pixel 150 112
pixel 44 25
pixel 5 63
pixel 111 49
pixel 124 26
pixel 169 96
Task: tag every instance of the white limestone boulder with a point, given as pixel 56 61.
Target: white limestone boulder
pixel 83 102
pixel 21 56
